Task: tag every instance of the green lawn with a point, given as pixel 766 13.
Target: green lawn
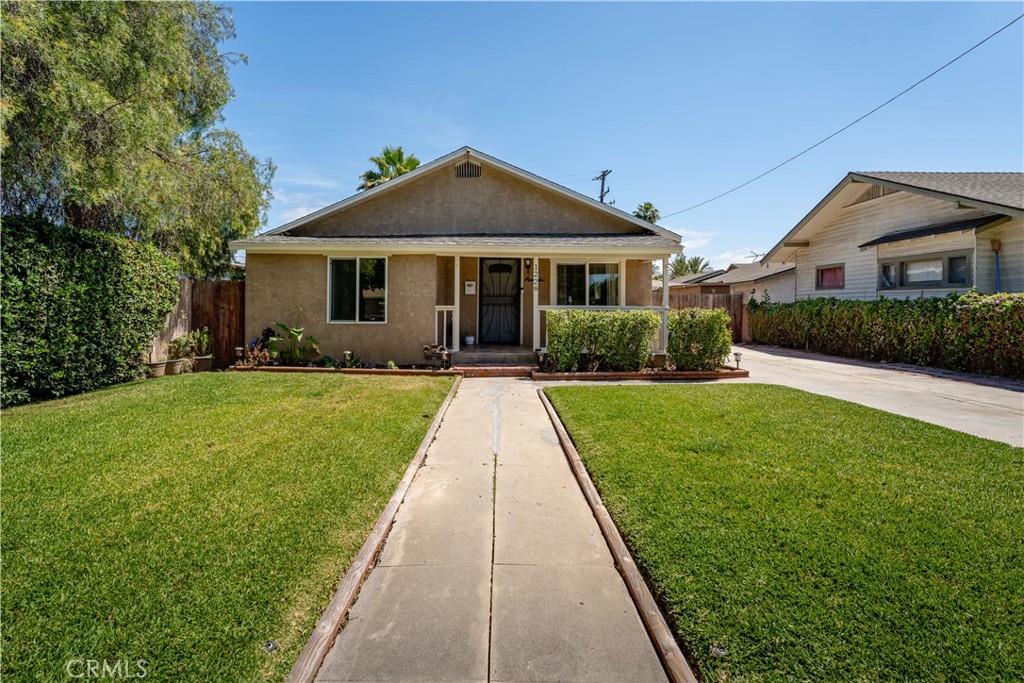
pixel 814 539
pixel 186 521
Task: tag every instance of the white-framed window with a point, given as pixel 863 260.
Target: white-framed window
pixel 922 271
pixel 357 289
pixel 587 284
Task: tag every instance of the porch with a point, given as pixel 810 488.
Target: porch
pixel 491 309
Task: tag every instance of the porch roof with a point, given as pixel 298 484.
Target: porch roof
pixel 525 244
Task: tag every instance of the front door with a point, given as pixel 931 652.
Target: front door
pixel 499 301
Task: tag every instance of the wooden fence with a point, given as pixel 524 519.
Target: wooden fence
pixel 733 304
pixel 220 306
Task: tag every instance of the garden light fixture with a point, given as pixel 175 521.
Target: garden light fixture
pixel 737 356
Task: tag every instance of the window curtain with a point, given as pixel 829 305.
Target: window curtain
pixel 830 277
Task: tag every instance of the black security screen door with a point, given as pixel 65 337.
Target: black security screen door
pixel 499 301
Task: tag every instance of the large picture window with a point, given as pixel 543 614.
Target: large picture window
pixel 927 270
pixel 587 284
pixel 357 290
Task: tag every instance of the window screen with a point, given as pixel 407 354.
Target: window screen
pixel 572 284
pixel 358 290
pixel 604 284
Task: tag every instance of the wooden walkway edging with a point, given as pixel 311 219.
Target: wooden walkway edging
pixel 322 639
pixel 676 666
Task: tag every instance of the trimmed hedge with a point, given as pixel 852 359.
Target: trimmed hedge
pixel 78 309
pixel 698 338
pixel 600 340
pixel 969 333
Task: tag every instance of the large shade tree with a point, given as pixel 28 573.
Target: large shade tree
pixel 111 120
pixel 388 165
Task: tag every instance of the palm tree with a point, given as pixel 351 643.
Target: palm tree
pixel 677 267
pixel 697 265
pixel 681 266
pixel 647 212
pixel 391 163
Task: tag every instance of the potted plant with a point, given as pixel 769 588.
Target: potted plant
pixel 178 352
pixel 155 368
pixel 201 349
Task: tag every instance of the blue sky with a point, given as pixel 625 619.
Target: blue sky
pixel 681 100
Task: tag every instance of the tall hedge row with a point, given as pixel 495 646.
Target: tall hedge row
pixel 600 340
pixel 78 308
pixel 698 338
pixel 581 340
pixel 970 333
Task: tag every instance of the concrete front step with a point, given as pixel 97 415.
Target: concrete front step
pixel 511 357
pixel 495 370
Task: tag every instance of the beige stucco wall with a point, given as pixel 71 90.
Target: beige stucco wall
pixel 638 283
pixel 278 285
pixel 438 203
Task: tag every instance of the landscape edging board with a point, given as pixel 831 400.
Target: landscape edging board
pixel 322 639
pixel 664 640
pixel 399 372
pixel 661 375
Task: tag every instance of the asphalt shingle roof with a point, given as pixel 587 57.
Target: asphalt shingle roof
pixel 751 271
pixel 1004 189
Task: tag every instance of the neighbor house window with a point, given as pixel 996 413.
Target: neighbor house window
pixel 922 271
pixel 887 275
pixel 587 284
pixel 830 277
pixel 925 271
pixel 959 273
pixel 357 290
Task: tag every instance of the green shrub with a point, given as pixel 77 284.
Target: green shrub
pixel 600 340
pixel 78 308
pixel 969 333
pixel 698 338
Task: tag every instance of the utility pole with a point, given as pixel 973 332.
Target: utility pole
pixel 601 176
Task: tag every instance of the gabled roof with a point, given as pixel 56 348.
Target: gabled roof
pixel 469 153
pixel 998 189
pixel 751 272
pixel 1001 193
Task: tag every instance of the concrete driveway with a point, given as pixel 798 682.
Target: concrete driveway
pixel 993 409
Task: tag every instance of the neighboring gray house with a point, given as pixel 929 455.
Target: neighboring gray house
pixel 754 279
pixel 909 235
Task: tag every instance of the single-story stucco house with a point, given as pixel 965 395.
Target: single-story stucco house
pixel 466 246
pixel 910 235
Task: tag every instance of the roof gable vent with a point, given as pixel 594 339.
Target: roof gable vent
pixel 873 192
pixel 467 169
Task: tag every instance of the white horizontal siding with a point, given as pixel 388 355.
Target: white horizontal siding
pixel 838 240
pixel 1011 257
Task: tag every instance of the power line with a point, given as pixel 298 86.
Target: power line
pixel 849 125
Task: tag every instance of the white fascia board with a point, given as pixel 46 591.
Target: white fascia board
pixel 452 250
pixel 457 156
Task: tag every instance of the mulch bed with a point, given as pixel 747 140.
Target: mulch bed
pixel 650 374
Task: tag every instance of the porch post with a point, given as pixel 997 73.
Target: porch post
pixel 664 303
pixel 456 327
pixel 536 303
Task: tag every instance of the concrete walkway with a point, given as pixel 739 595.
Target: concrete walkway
pixel 986 410
pixel 495 568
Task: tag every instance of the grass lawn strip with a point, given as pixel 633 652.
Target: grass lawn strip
pixel 812 539
pixel 186 521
